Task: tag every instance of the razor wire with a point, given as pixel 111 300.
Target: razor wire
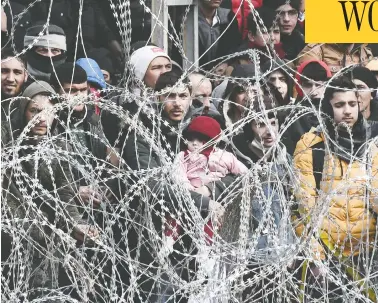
pixel 130 260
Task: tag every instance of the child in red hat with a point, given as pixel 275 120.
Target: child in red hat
pixel 202 163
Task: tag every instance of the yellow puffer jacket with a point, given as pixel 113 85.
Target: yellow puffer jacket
pixel 346 223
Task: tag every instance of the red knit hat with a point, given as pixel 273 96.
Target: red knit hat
pixel 206 126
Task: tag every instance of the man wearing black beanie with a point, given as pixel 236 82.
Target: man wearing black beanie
pixel 367 85
pixel 70 79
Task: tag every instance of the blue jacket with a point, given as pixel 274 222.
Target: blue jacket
pixel 93 70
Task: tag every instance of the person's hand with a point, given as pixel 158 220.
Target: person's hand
pixel 216 211
pixel 204 191
pixel 89 195
pixel 82 231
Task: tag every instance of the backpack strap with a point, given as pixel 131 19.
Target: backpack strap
pixel 318 154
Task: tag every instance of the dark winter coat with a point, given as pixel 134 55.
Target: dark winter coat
pixel 151 156
pixel 228 39
pixel 293 44
pixel 65 14
pixel 14 11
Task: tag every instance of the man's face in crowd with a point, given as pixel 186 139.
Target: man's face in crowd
pixel 211 3
pixel 41 109
pixel 158 66
pixel 364 93
pixel 243 96
pixel 263 39
pixel 279 81
pixel 201 91
pixel 176 102
pixel 107 77
pixel 48 51
pixel 266 133
pixel 79 90
pixel 313 89
pixel 13 76
pixel 345 107
pixel 288 18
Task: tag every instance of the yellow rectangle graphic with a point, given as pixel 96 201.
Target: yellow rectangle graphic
pixel 335 21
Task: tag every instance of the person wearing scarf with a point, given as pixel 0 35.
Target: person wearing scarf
pixel 46 50
pixel 344 203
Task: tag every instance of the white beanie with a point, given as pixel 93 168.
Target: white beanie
pixel 142 57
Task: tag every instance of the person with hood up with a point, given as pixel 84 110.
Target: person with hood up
pixel 280 80
pixel 95 79
pixel 336 56
pixel 238 94
pixel 104 61
pixel 164 126
pixel 367 86
pixel 312 77
pixel 47 53
pixel 338 173
pixel 53 201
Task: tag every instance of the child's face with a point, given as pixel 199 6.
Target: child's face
pixel 195 144
pixel 263 38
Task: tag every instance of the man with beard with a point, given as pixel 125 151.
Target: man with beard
pixel 158 195
pixel 47 53
pixel 13 78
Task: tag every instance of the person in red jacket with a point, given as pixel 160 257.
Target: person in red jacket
pixel 241 9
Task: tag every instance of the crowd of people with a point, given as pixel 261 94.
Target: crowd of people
pixel 126 178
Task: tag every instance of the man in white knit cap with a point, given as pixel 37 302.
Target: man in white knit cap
pixel 148 63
